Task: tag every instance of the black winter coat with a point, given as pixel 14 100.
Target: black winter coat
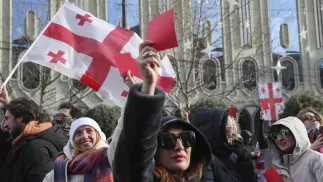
pixel 226 165
pixel 34 156
pixel 5 148
pixel 137 144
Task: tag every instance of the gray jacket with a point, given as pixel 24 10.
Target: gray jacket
pixel 304 164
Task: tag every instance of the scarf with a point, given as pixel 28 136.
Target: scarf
pixel 94 165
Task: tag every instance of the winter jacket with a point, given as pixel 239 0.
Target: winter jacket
pixel 137 144
pixel 68 151
pixel 303 164
pixel 227 166
pixel 34 155
pixel 5 148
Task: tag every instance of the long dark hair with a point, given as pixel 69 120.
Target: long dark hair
pixel 194 170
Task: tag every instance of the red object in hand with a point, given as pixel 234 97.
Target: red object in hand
pixel 161 30
pixel 272 175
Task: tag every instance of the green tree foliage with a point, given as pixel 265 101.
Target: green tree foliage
pixel 301 100
pixel 107 117
pixel 205 103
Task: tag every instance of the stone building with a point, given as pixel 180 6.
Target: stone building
pixel 248 37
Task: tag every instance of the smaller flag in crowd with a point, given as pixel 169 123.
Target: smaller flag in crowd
pixel 271 99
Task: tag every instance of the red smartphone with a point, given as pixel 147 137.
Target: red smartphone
pixel 321 130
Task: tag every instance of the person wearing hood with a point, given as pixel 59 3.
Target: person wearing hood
pixel 291 154
pixel 231 162
pixel 151 148
pixel 312 121
pixel 35 145
pixel 85 156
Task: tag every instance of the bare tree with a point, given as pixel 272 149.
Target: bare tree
pixel 197 68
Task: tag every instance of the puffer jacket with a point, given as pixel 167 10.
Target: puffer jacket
pixel 303 164
pixel 68 151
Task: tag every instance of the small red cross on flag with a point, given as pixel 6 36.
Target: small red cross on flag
pixel 271 99
pixel 57 57
pixel 84 18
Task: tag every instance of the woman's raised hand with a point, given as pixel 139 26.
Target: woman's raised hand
pixel 149 63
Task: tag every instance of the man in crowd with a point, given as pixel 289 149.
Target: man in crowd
pixel 35 145
pixel 67 113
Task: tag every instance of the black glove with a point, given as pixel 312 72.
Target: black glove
pixel 238 149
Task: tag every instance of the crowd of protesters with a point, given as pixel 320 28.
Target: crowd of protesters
pixel 145 146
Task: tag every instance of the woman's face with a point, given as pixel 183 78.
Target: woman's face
pixel 285 140
pixel 85 137
pixel 177 159
pixel 310 119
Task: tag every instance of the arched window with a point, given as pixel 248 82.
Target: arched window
pixel 321 73
pixel 30 75
pixel 209 74
pixel 249 75
pixel 288 76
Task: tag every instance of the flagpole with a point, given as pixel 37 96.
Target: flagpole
pixel 28 50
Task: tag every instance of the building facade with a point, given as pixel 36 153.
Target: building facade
pixel 248 38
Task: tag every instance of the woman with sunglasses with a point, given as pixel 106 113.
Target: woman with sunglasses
pixel 151 148
pixel 291 154
pixel 312 121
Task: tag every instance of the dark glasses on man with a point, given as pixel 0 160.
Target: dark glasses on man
pixel 168 140
pixel 283 133
pixel 312 118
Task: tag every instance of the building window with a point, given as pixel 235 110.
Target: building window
pixel 209 74
pixel 245 22
pixel 288 76
pixel 207 31
pixel 249 75
pixel 30 75
pixel 319 5
pixel 321 73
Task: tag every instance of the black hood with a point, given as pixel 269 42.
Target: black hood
pixel 211 122
pixel 54 134
pixel 202 147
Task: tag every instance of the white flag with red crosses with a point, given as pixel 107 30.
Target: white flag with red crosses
pixel 82 47
pixel 271 99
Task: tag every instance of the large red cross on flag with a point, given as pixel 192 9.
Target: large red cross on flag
pixel 83 47
pixel 271 100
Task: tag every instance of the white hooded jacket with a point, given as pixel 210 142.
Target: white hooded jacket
pixel 303 164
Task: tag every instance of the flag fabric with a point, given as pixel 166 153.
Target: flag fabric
pixel 81 46
pixel 271 99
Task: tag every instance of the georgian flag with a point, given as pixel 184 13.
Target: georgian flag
pixel 271 99
pixel 82 47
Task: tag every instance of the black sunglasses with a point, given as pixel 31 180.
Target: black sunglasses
pixel 168 140
pixel 311 118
